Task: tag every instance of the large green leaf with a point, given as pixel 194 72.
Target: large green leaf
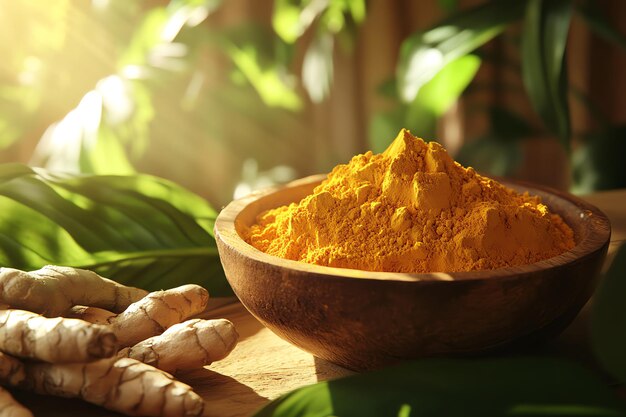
pixel 543 62
pixel 287 21
pixel 424 54
pixel 445 88
pixel 432 101
pixel 490 387
pixel 608 320
pixel 139 230
pixel 439 94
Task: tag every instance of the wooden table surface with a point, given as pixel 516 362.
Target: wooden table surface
pixel 263 366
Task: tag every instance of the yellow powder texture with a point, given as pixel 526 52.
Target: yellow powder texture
pixel 411 209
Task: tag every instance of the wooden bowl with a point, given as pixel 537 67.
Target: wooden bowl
pixel 361 319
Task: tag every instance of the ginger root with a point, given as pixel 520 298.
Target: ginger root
pixel 9 407
pixel 188 345
pixel 11 369
pixel 56 340
pixel 124 385
pixel 76 357
pixel 93 315
pixel 183 346
pixel 12 373
pixel 53 290
pixel 151 315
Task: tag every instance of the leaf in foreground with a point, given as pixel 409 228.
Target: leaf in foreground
pixel 139 230
pixel 608 320
pixel 439 387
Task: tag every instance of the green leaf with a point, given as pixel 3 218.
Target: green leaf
pixel 432 101
pixel 139 230
pixel 424 54
pixel 286 20
pixel 334 19
pixel 599 23
pixel 292 18
pixel 543 62
pixel 275 89
pixel 357 9
pixel 439 94
pixel 449 388
pixel 608 320
pixel 444 89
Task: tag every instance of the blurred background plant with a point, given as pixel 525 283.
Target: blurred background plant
pixel 235 95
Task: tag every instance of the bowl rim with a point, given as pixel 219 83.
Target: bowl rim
pixel 599 233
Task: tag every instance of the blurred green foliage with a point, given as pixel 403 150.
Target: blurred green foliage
pixel 544 37
pixel 291 19
pixel 149 74
pixel 139 230
pixel 433 99
pixel 425 55
pixel 165 74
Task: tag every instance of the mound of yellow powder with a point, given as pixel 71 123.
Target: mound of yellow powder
pixel 411 209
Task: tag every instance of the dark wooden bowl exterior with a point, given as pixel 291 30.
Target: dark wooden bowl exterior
pixel 362 320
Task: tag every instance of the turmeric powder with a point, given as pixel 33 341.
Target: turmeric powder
pixel 411 209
